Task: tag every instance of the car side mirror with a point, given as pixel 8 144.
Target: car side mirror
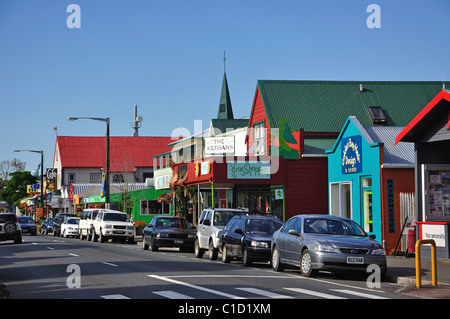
pixel 207 222
pixel 373 236
pixel 239 231
pixel 293 232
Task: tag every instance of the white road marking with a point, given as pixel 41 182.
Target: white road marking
pixel 265 293
pixel 314 293
pixel 109 264
pixel 171 294
pixel 216 292
pixel 359 294
pixel 114 297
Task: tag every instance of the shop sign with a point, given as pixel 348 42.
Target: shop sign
pixel 435 232
pixel 248 170
pixel 219 145
pixel 391 208
pixel 33 189
pixel 351 154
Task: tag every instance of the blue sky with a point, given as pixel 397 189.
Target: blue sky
pixel 167 57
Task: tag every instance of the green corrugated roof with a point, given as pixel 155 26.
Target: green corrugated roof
pixel 324 106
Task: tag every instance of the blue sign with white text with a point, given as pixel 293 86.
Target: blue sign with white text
pixel 351 159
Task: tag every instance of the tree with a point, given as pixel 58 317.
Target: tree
pixel 7 167
pixel 16 187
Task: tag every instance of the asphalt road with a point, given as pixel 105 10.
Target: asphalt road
pixel 47 267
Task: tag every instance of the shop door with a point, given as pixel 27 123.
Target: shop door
pixel 259 203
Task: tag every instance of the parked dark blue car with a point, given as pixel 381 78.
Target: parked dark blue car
pixel 28 225
pixel 248 237
pixel 47 226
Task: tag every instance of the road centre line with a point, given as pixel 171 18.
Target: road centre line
pixel 75 255
pixel 51 248
pixel 195 287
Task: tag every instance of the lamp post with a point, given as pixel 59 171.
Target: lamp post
pixel 107 187
pixel 42 174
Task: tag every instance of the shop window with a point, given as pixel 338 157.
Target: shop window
pixel 340 202
pixel 152 207
pixel 366 183
pixel 436 192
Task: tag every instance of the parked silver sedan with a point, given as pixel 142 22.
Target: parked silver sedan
pixel 325 242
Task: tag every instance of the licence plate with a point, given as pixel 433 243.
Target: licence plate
pixel 119 232
pixel 177 241
pixel 355 260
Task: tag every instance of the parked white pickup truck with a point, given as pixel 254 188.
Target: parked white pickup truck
pixel 113 224
pixel 86 226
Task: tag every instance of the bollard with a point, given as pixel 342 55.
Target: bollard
pixel 433 261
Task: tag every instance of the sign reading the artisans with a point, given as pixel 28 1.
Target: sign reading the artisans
pixel 351 154
pixel 249 170
pixel 219 145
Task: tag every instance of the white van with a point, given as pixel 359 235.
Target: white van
pixel 85 228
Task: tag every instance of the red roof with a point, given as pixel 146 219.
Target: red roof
pixel 410 129
pixel 126 152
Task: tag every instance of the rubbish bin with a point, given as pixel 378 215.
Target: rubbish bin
pixel 412 239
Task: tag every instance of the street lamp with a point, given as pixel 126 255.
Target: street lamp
pixel 42 173
pixel 106 120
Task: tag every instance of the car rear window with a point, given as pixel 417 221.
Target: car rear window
pixel 7 218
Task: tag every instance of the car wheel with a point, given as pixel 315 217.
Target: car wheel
pixel 276 260
pixel 144 244
pixel 10 228
pixel 197 250
pixel 225 258
pixel 213 252
pixel 246 260
pixel 306 264
pixel 101 238
pixel 154 246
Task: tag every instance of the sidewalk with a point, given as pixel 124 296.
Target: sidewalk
pixel 402 271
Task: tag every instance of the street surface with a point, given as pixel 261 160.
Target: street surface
pixel 47 267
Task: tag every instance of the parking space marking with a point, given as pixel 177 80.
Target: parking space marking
pixel 265 293
pixel 314 293
pixel 118 296
pixel 359 294
pixel 109 264
pixel 177 282
pixel 75 255
pixel 51 248
pixel 172 294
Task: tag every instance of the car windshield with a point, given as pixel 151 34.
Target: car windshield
pixel 117 217
pixel 73 221
pixel 221 218
pixel 171 223
pixel 332 227
pixel 262 226
pixel 25 220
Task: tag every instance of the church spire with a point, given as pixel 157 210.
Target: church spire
pixel 225 109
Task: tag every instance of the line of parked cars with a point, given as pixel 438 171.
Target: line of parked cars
pixel 93 224
pixel 311 243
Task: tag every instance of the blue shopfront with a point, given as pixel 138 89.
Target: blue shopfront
pixel 354 177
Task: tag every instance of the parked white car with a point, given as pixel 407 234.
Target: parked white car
pixel 211 222
pixel 113 224
pixel 70 227
pixel 86 227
